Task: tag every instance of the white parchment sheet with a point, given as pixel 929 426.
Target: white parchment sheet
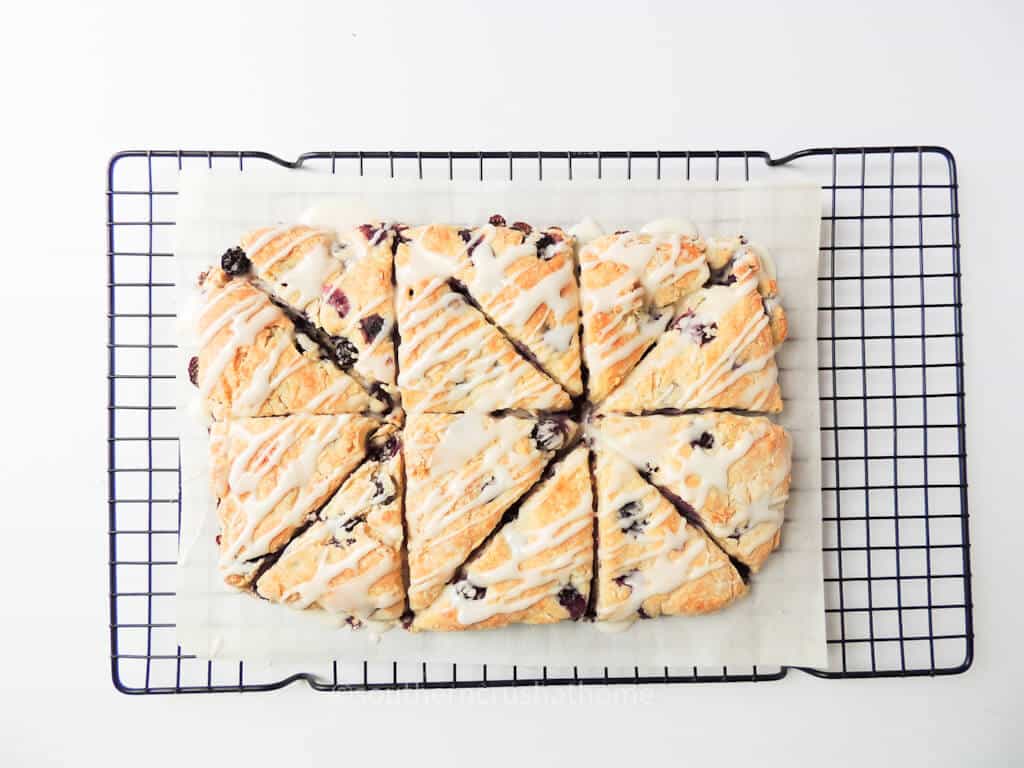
pixel 781 621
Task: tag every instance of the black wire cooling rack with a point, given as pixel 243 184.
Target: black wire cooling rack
pixel 896 552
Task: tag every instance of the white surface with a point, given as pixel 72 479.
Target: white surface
pixel 781 622
pixel 83 81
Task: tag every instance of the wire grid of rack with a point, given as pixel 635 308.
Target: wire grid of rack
pixel 896 548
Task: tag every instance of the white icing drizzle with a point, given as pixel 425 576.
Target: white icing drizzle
pixel 303 283
pixel 263 453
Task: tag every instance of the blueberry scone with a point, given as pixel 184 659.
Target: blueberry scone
pixel 451 357
pixel 536 569
pixel 349 561
pixel 341 285
pixel 629 284
pixel 651 561
pixel 732 473
pixel 271 475
pixel 719 350
pixel 524 280
pixel 463 472
pixel 253 362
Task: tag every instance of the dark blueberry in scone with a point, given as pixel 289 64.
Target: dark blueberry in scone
pixel 642 613
pixel 721 276
pixel 371 233
pixel 378 392
pixel 406 618
pixel 550 433
pixel 370 326
pixel 570 598
pixel 629 509
pixel 235 262
pixel 384 490
pixel 497 220
pixel 337 299
pixel 637 524
pixel 522 226
pixel 350 525
pixel 470 591
pixel 385 450
pixel 466 235
pixel 705 441
pixel 542 246
pixel 623 579
pixel 345 352
pixel 193 371
pixel 701 333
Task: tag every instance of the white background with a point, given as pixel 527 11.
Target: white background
pixel 80 82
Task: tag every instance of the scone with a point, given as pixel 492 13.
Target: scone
pixel 629 283
pixel 451 358
pixel 536 569
pixel 732 473
pixel 341 284
pixel 650 560
pixel 253 362
pixel 719 351
pixel 462 473
pixel 524 280
pixel 271 475
pixel 349 561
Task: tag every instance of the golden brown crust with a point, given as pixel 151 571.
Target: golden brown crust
pixel 651 561
pixel 249 363
pixel 451 358
pixel 462 473
pixel 536 569
pixel 271 474
pixel 628 283
pixel 734 471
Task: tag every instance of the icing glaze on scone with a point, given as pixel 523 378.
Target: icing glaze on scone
pixel 651 561
pixel 719 351
pixel 451 358
pixel 733 472
pixel 249 363
pixel 463 472
pixel 349 562
pixel 271 475
pixel 536 569
pixel 629 282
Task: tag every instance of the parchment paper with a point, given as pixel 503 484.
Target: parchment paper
pixel 781 621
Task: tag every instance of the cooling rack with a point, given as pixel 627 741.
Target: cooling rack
pixel 894 471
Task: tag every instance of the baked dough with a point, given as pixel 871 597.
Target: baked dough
pixel 629 283
pixel 349 561
pixel 536 569
pixel 451 358
pixel 731 472
pixel 251 362
pixel 341 284
pixel 650 560
pixel 719 351
pixel 271 475
pixel 463 472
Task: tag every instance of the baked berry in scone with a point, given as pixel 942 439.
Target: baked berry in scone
pixel 451 358
pixel 341 284
pixel 271 475
pixel 629 283
pixel 462 473
pixel 650 560
pixel 730 472
pixel 253 362
pixel 536 569
pixel 719 351
pixel 524 280
pixel 349 561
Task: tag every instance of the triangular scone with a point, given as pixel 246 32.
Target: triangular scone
pixel 251 362
pixel 524 280
pixel 650 560
pixel 341 284
pixel 732 471
pixel 271 475
pixel 462 473
pixel 349 561
pixel 719 352
pixel 536 569
pixel 451 359
pixel 628 284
